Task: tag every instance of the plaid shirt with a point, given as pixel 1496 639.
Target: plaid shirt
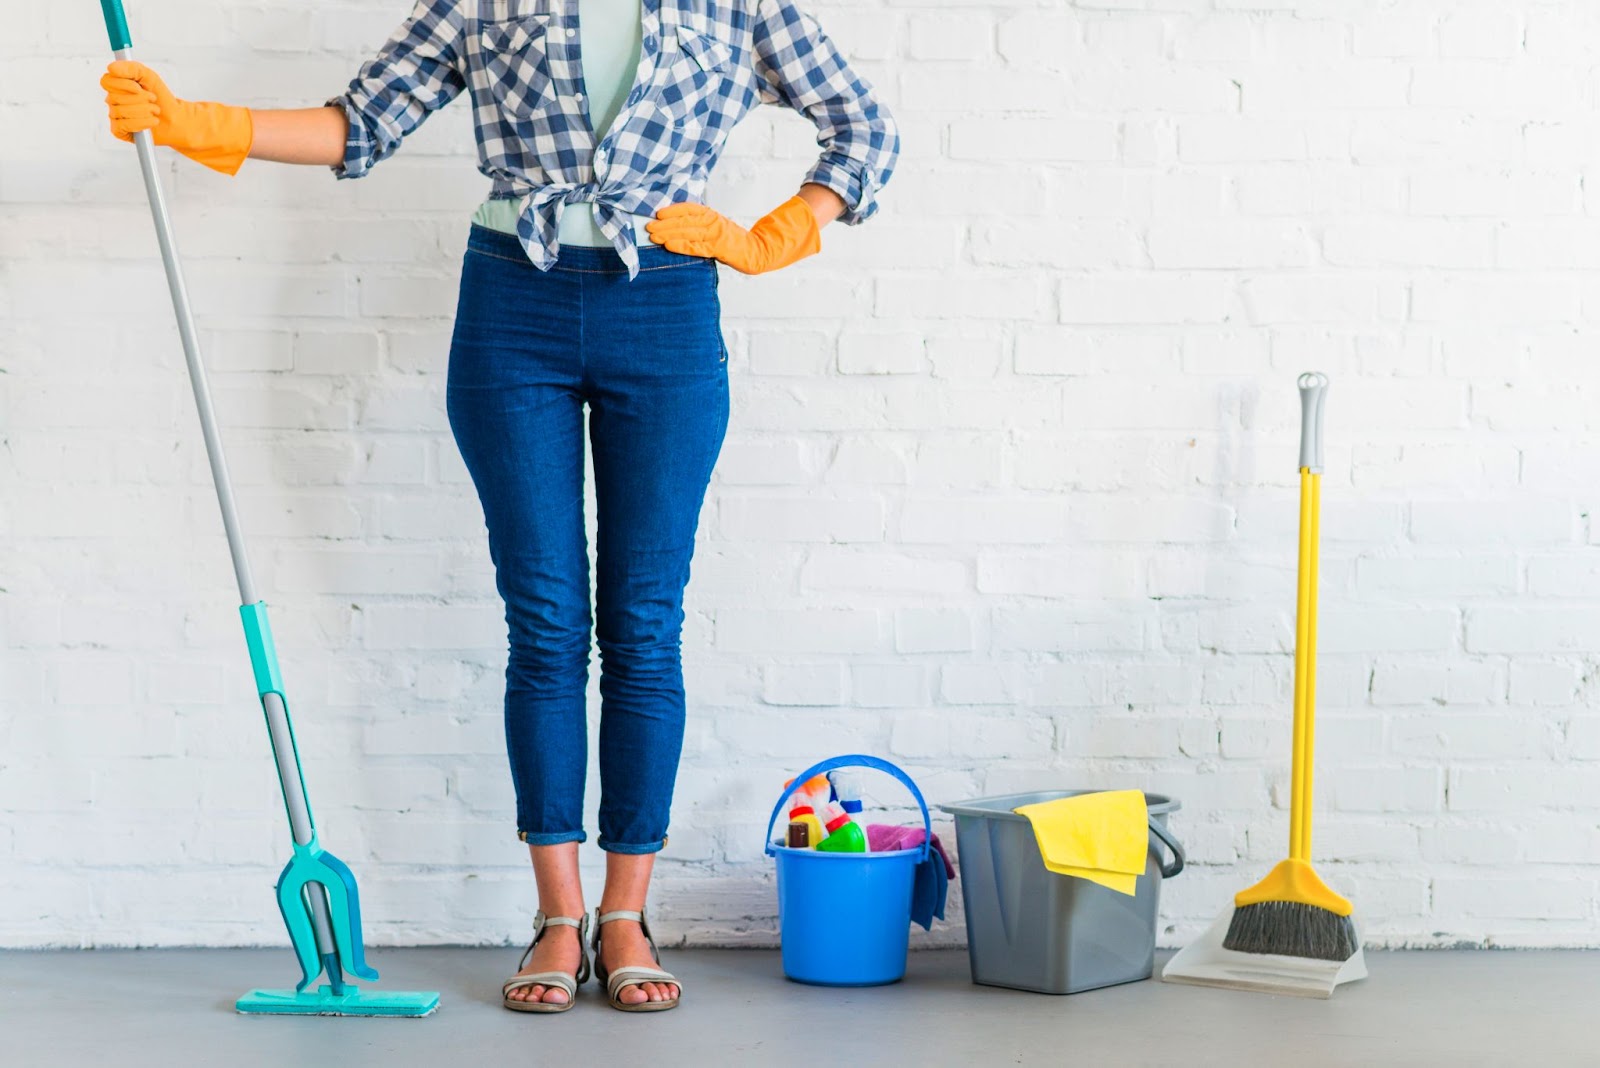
pixel 703 65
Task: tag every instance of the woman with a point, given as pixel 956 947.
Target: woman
pixel 590 279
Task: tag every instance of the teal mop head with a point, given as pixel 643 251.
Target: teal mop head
pixel 317 883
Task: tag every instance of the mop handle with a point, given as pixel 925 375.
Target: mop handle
pixel 257 633
pixel 122 47
pixel 1313 392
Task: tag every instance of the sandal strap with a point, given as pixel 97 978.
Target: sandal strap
pixel 603 918
pixel 540 922
pixel 617 914
pixel 637 976
pixel 560 980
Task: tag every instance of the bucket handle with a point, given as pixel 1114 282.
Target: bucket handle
pixel 1178 857
pixel 857 760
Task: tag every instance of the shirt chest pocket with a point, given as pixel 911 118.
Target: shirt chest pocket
pixel 516 59
pixel 694 72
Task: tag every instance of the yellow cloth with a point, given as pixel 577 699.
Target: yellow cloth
pixel 1103 837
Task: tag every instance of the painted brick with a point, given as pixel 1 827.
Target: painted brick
pixel 1008 492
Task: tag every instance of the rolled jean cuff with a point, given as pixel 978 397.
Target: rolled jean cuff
pixel 632 848
pixel 552 837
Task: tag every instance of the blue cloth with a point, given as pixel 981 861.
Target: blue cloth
pixel 704 65
pixel 931 880
pixel 929 888
pixel 531 349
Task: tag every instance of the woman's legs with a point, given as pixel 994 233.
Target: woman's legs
pixel 657 385
pixel 656 380
pixel 530 349
pixel 623 943
pixel 555 872
pixel 516 409
pixel 515 404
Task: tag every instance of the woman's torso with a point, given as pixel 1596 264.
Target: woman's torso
pixel 690 83
pixel 609 39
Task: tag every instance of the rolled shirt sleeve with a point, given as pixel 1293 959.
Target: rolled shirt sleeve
pixel 801 68
pixel 418 71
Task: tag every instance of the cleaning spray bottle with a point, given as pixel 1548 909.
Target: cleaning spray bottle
pixel 844 835
pixel 847 791
pixel 803 810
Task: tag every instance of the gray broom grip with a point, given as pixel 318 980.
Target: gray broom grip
pixel 1313 393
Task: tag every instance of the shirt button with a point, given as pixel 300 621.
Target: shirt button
pixel 578 97
pixel 572 33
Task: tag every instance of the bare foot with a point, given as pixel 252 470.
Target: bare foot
pixel 558 950
pixel 623 945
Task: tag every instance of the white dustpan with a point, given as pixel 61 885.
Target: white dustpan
pixel 1205 963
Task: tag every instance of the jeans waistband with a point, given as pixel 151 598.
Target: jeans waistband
pixel 578 257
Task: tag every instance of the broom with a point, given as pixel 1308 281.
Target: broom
pixel 1292 912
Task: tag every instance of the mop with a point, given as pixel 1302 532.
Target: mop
pixel 1290 933
pixel 316 892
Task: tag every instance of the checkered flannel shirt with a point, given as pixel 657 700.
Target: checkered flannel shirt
pixel 704 64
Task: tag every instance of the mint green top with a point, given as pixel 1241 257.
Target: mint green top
pixel 609 39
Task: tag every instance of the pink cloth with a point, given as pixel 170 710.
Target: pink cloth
pixel 888 837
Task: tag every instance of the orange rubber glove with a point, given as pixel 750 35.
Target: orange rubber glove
pixel 777 240
pixel 217 135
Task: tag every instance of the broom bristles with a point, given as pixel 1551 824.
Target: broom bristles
pixel 1291 929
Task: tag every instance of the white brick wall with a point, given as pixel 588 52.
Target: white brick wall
pixel 1008 494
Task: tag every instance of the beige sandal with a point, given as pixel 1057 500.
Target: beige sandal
pixel 619 980
pixel 560 980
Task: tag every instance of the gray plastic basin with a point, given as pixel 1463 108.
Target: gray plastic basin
pixel 1031 929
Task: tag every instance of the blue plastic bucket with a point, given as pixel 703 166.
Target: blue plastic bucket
pixel 845 918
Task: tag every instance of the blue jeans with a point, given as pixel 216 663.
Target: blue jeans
pixel 530 350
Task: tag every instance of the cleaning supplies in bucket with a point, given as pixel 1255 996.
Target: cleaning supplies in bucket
pixel 844 835
pixel 845 917
pixel 1099 836
pixel 805 824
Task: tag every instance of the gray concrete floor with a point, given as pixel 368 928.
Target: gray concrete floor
pixel 133 1008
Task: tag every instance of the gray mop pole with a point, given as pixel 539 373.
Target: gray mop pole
pixel 286 758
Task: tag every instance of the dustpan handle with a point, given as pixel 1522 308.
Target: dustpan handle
pixel 858 760
pixel 1178 857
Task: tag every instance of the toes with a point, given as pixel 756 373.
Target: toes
pixel 555 996
pixel 633 995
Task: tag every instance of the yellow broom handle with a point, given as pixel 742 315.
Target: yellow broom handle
pixel 1297 785
pixel 1308 659
pixel 1313 391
